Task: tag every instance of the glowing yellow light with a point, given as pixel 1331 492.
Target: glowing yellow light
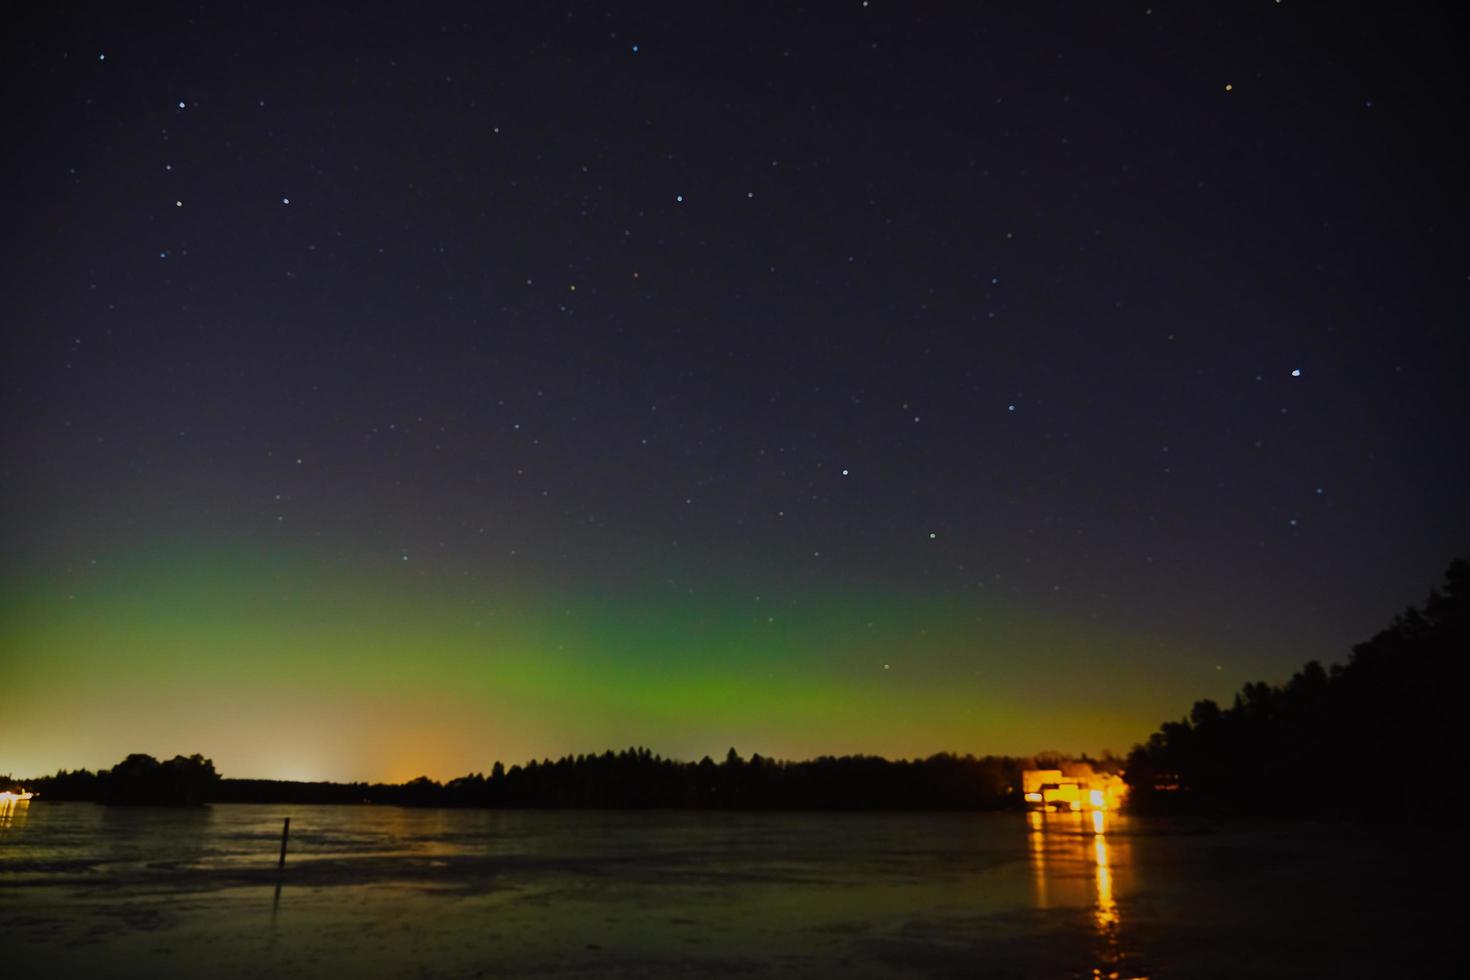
pixel 1107 909
pixel 13 808
pixel 1099 822
pixel 1098 798
pixel 1033 797
pixel 1075 805
pixel 1228 86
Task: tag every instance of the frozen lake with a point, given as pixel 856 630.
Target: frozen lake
pixel 387 892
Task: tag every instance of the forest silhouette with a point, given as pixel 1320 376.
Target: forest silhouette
pixel 1357 740
pixel 138 780
pixel 1364 739
pixel 632 778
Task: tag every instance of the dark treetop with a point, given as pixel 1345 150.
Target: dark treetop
pixel 1363 739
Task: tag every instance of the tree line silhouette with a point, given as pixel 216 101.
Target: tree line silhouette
pixel 1363 740
pixel 136 781
pixel 633 778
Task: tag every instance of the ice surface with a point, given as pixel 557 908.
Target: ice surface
pixel 388 892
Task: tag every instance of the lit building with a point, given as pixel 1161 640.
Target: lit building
pixel 1079 789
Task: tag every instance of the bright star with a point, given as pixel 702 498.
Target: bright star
pixel 1296 372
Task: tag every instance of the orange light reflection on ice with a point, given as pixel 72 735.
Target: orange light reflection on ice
pixel 1036 839
pixel 1107 909
pixel 1072 866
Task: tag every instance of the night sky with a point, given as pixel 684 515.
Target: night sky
pixel 388 392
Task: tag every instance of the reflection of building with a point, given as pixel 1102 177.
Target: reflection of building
pixel 1075 866
pixel 1077 788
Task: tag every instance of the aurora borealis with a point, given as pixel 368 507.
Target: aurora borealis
pixel 393 392
pixel 320 671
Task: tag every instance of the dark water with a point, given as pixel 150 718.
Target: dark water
pixel 387 892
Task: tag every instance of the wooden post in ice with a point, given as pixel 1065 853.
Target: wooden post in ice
pixel 285 833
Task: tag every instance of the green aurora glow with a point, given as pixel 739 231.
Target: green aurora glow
pixel 304 669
